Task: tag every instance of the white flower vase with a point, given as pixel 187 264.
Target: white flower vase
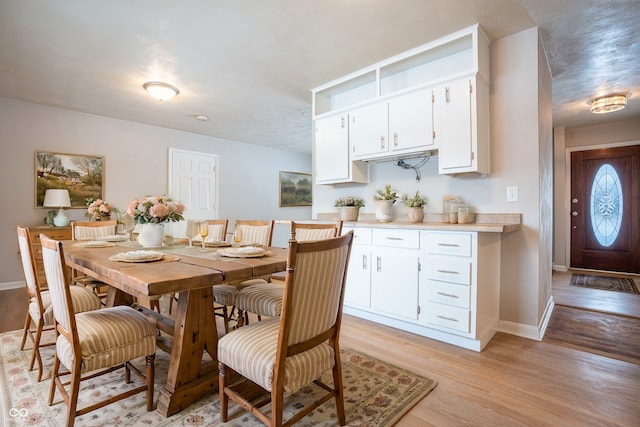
pixel 349 213
pixel 384 210
pixel 151 235
pixel 416 214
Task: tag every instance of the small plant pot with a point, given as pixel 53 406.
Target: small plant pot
pixel 349 213
pixel 416 214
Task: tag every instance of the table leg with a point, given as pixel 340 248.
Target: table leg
pixel 195 332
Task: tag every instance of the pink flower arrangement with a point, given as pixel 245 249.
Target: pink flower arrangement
pixel 99 209
pixel 155 209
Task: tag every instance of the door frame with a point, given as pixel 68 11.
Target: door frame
pixel 566 211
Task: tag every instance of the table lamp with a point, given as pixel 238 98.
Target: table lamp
pixel 54 198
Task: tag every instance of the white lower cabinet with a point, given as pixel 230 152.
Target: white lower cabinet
pixel 440 284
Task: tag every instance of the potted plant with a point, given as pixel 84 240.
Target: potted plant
pixel 153 212
pixel 349 207
pixel 384 203
pixel 416 206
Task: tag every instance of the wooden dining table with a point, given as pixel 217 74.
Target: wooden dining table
pixel 191 331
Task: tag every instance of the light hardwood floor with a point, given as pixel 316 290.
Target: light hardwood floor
pixel 513 382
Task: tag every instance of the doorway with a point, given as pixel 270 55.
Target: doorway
pixel 605 209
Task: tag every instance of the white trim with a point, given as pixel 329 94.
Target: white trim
pixel 11 285
pixel 529 331
pixel 556 267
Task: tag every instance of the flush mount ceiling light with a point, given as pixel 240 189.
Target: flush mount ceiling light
pixel 608 103
pixel 161 91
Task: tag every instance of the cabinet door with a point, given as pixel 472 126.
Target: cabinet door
pixel 357 291
pixel 368 130
pixel 453 126
pixel 332 148
pixel 411 121
pixel 394 283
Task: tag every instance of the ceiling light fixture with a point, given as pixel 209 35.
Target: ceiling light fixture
pixel 161 91
pixel 201 117
pixel 608 103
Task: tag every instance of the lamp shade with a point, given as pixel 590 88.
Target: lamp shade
pixel 54 198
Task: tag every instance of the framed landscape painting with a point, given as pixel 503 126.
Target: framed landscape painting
pixel 295 189
pixel 81 174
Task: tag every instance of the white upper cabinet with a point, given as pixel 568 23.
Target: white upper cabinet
pixel 391 105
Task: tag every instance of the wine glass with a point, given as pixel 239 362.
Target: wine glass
pixel 237 236
pixel 203 230
pixel 192 231
pixel 128 224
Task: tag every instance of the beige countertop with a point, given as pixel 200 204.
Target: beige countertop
pixel 484 223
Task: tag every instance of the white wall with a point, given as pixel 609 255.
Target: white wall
pixel 135 166
pixel 623 132
pixel 517 123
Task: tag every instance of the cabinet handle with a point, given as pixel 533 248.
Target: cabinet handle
pixel 342 122
pixel 449 245
pixel 378 264
pixel 364 262
pixel 395 139
pixel 447 271
pixel 446 94
pixel 394 238
pixel 444 294
pixel 452 319
pixel 382 142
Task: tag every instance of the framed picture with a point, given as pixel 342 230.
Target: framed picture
pixel 81 174
pixel 295 189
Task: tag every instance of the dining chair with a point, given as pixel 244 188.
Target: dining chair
pixel 40 311
pixel 254 232
pixel 217 233
pixel 95 342
pixel 264 298
pixel 92 230
pixel 282 355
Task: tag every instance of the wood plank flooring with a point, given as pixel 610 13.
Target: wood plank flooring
pixel 513 382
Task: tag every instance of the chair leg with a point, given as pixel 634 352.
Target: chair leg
pixel 224 399
pixel 225 318
pixel 150 374
pixel 27 325
pixel 36 349
pixel 54 378
pixel 338 388
pixel 73 394
pixel 241 318
pixel 277 405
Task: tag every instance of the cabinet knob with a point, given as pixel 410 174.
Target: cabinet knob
pixel 395 139
pixel 574 213
pixel 382 142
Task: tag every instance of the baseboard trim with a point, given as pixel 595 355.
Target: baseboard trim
pixel 11 285
pixel 529 331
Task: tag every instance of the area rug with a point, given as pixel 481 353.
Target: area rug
pixel 606 283
pixel 376 394
pixel 605 334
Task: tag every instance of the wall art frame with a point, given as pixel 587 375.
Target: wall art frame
pixel 81 174
pixel 295 189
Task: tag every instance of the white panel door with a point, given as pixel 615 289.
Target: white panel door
pixel 193 180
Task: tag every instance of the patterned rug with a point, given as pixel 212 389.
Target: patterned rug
pixel 606 283
pixel 376 394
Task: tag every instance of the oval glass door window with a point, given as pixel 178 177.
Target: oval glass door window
pixel 606 205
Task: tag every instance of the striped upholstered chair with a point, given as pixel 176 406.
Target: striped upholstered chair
pixel 94 341
pixel 282 355
pixel 264 298
pixel 40 312
pixel 255 233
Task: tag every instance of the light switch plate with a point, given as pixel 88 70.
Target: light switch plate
pixel 512 193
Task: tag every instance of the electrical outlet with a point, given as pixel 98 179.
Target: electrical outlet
pixel 512 193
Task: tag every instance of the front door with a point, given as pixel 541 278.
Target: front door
pixel 605 209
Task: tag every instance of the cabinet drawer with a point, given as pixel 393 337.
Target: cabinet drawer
pixel 452 270
pixel 396 238
pixel 361 236
pixel 448 293
pixel 450 317
pixel 458 244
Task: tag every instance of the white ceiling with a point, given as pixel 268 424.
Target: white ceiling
pixel 250 64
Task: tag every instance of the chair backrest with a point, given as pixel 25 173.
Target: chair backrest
pixel 256 232
pixel 305 231
pixel 31 277
pixel 217 230
pixel 56 272
pixel 89 230
pixel 314 293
